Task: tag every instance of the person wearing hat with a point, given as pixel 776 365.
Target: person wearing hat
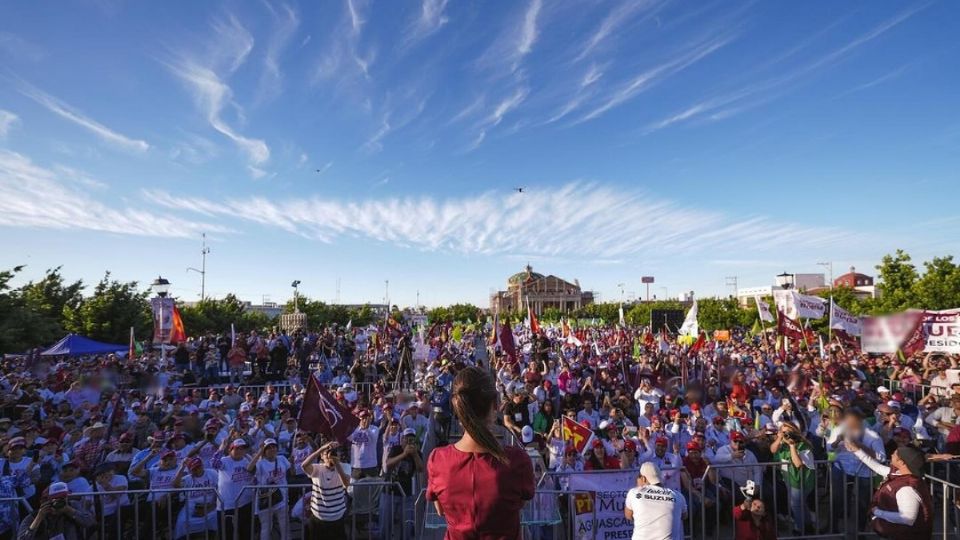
pixel 15 462
pixel 902 507
pixel 231 462
pixel 668 462
pixel 412 419
pixel 628 456
pixel 122 457
pixel 733 478
pixel 363 447
pixel 57 517
pixel 401 464
pixel 657 512
pixel 528 439
pixel 271 469
pixel 943 419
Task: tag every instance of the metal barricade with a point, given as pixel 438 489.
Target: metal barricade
pixel 945 500
pixel 276 517
pixel 153 513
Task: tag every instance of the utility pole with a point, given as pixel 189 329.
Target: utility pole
pixel 386 293
pixel 337 301
pixel 732 282
pixel 203 268
pixel 418 300
pixel 829 265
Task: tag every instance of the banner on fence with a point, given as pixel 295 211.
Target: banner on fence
pixel 607 492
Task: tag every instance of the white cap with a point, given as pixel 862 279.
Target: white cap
pixel 894 404
pixel 651 472
pixel 526 434
pixel 408 432
pixel 882 389
pixel 604 424
pixel 269 442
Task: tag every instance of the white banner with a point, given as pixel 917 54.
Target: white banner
pixel 842 319
pixel 883 335
pixel 800 306
pixel 690 326
pixel 607 493
pixel 764 309
pixel 943 331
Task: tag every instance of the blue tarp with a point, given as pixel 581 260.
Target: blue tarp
pixel 74 345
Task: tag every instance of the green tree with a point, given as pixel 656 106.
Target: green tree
pixel 466 313
pixel 50 296
pixel 551 314
pixel 723 314
pixel 939 288
pixel 109 313
pixel 898 276
pixel 21 327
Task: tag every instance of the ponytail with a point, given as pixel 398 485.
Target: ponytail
pixel 474 393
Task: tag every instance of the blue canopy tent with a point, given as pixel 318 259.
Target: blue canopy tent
pixel 74 345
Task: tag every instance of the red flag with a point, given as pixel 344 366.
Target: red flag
pixel 697 345
pixel 506 343
pixel 133 346
pixel 648 339
pixel 321 413
pixel 916 339
pixel 177 333
pixel 577 435
pixel 534 323
pixel 788 327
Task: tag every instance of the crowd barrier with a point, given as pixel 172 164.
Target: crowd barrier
pixel 917 391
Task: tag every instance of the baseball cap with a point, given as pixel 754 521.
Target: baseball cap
pixel 651 472
pixel 662 440
pixel 238 443
pixel 882 389
pixel 167 453
pixel 57 490
pixel 630 446
pixel 17 442
pixel 737 436
pixel 693 446
pixel 526 434
pixel 604 424
pixel 269 442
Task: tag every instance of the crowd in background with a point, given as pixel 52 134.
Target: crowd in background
pixel 185 426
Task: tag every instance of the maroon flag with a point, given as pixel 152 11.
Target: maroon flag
pixel 321 413
pixel 506 343
pixel 916 339
pixel 697 345
pixel 788 327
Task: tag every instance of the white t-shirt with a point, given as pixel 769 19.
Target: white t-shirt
pixel 111 502
pixel 161 479
pixel 297 455
pixel 363 451
pixel 273 473
pixel 206 498
pixel 232 475
pixel 657 513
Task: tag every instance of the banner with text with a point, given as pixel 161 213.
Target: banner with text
pixel 607 492
pixel 940 331
pixel 943 331
pixel 800 306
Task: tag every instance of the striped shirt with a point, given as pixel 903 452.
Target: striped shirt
pixel 329 501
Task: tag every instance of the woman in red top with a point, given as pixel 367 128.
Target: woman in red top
pixel 752 522
pixel 476 484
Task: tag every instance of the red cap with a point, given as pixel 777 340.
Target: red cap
pixel 597 443
pixel 662 440
pixel 737 436
pixel 694 406
pixel 630 446
pixel 693 446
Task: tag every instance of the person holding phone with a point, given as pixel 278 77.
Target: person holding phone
pixel 328 501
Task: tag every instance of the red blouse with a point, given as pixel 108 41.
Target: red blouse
pixel 481 497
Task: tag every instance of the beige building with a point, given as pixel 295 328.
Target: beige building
pixel 542 291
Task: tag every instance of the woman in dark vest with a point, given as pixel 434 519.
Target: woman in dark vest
pixel 901 507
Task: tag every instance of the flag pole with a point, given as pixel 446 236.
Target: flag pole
pixel 830 324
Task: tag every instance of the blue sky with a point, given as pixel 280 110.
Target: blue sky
pixel 371 141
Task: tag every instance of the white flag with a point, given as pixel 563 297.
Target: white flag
pixel 690 326
pixel 349 325
pixel 841 319
pixel 622 321
pixel 800 306
pixel 764 309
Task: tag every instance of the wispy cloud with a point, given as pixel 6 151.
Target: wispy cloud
pixel 35 196
pixel 7 121
pixel 16 48
pixel 876 82
pixel 731 103
pixel 652 76
pixel 576 219
pixel 616 18
pixel 286 22
pixel 505 56
pixel 67 112
pixel 431 19
pixel 342 60
pixel 204 76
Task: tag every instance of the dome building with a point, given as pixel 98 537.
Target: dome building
pixel 542 291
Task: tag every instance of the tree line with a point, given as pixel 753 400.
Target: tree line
pixel 41 312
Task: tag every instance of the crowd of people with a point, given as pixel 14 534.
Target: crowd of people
pixel 204 439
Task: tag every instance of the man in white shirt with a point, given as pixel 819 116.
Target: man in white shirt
pixel 944 418
pixel 657 512
pixel 363 448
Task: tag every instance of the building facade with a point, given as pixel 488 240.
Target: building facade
pixel 542 292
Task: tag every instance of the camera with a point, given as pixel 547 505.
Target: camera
pixel 59 504
pixel 792 437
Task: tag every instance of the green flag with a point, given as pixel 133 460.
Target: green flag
pixel 756 328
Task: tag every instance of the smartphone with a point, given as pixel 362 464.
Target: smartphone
pixel 632 430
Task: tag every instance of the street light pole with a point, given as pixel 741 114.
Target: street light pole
pixel 203 268
pixel 829 265
pixel 161 287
